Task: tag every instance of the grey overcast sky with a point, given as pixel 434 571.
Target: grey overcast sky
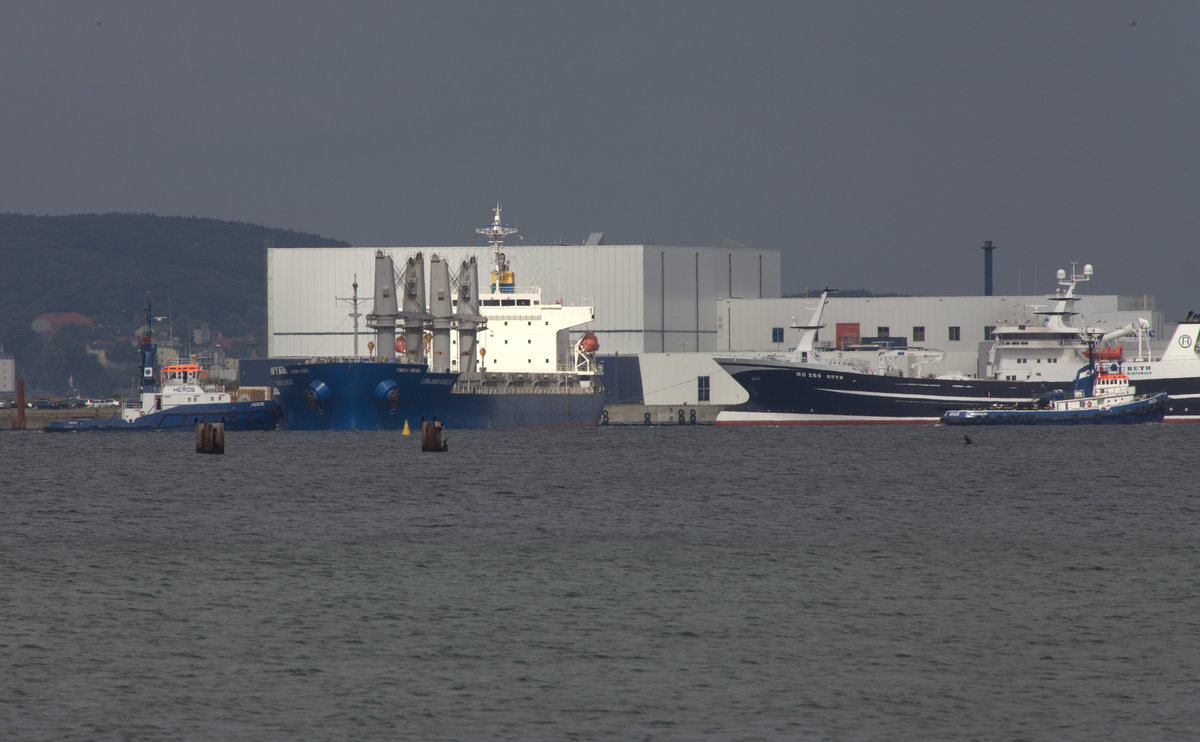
pixel 877 144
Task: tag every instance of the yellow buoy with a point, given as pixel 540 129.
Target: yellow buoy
pixel 406 430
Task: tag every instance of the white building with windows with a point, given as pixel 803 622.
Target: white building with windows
pixel 8 374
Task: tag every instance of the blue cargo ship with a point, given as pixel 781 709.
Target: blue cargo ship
pixel 503 360
pixel 357 394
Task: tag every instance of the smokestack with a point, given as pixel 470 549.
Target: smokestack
pixel 987 267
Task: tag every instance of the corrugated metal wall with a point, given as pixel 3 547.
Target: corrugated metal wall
pixel 625 283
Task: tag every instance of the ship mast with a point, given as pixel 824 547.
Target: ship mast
pixel 1065 298
pixel 147 349
pixel 355 314
pixel 502 277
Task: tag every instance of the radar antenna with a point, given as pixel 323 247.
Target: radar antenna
pixel 496 232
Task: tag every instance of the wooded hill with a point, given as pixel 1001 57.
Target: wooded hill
pixel 102 266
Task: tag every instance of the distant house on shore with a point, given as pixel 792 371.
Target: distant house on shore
pixel 47 324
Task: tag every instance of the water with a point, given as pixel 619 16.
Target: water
pixel 697 583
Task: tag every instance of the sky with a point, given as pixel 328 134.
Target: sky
pixel 875 144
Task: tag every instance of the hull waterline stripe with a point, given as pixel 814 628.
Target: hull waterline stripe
pixel 921 397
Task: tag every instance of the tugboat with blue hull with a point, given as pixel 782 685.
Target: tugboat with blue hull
pixel 521 370
pixel 879 386
pixel 179 402
pixel 1104 398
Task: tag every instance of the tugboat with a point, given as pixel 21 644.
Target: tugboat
pixel 1106 397
pixel 180 402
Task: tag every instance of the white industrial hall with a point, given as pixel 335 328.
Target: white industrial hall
pixel 660 312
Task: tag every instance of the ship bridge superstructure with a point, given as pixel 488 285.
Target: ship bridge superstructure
pixel 524 335
pixel 1054 345
pixel 450 326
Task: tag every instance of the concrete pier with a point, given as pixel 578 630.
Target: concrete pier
pixel 638 414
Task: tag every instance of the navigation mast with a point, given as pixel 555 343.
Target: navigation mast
pixel 354 302
pixel 502 276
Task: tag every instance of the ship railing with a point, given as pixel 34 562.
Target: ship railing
pixel 541 384
pixel 855 364
pixel 759 355
pixel 518 315
pixel 467 387
pixel 567 369
pixel 1025 342
pixel 517 292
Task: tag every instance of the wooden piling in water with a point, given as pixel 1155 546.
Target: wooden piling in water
pixel 431 436
pixel 19 423
pixel 210 438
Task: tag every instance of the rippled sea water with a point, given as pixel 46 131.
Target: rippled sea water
pixel 690 583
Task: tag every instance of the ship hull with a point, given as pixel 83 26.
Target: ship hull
pixel 359 395
pixel 234 416
pixel 1146 410
pixel 349 396
pixel 783 393
pixel 576 409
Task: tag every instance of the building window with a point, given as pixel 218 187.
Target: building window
pixel 702 388
pixel 989 332
pixel 918 334
pixel 883 332
pixel 776 334
pixel 955 333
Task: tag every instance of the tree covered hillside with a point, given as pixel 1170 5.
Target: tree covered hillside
pixel 102 266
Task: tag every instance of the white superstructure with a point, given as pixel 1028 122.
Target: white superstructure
pixel 961 326
pixel 523 334
pixel 181 384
